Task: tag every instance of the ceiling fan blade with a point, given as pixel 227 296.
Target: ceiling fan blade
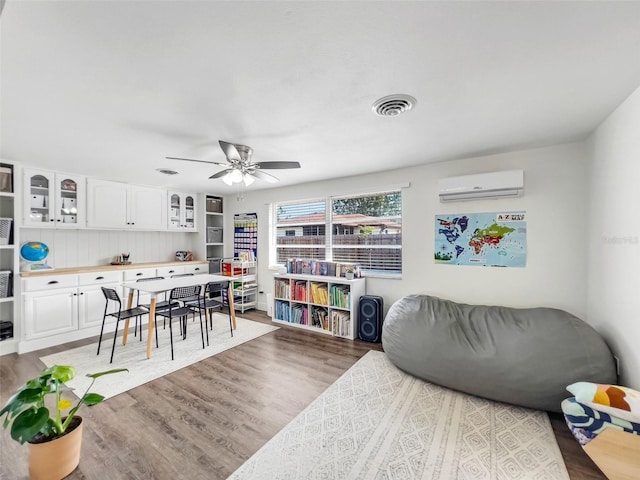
pixel 199 161
pixel 264 176
pixel 230 151
pixel 221 173
pixel 274 165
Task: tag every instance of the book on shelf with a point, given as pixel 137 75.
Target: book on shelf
pixel 300 290
pixel 340 296
pixel 319 293
pixel 341 323
pixel 301 266
pixel 320 318
pixel 282 311
pixel 299 315
pixel 331 269
pixel 282 288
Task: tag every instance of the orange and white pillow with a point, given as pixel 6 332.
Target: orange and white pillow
pixel 621 402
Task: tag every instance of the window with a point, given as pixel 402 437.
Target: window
pixel 299 230
pixel 365 229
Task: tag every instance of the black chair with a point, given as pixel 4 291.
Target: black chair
pixel 111 295
pixel 185 300
pixel 215 296
pixel 181 312
pixel 162 305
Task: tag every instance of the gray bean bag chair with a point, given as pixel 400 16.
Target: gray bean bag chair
pixel 522 356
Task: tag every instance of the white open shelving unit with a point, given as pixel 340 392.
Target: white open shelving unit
pixel 245 283
pixel 9 256
pixel 319 304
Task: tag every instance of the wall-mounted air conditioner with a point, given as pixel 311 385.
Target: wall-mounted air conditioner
pixel 509 183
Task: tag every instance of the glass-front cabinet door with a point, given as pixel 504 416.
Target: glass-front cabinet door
pixel 175 203
pixel 39 193
pixel 54 199
pixel 67 201
pixel 189 212
pixel 182 211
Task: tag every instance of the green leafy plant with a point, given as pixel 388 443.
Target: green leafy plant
pixel 26 410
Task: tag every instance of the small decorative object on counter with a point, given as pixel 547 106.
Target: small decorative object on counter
pixel 184 256
pixel 122 259
pixel 33 257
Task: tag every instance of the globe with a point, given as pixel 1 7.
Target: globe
pixel 34 251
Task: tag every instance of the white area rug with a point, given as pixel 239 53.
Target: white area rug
pixel 377 422
pixel 133 355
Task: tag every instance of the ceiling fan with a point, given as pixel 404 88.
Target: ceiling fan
pixel 240 168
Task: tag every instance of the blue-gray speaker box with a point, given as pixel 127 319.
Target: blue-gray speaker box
pixel 370 317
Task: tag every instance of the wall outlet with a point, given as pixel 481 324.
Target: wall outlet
pixel 617 365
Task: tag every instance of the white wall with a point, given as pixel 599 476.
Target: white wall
pixel 77 248
pixel 555 201
pixel 614 236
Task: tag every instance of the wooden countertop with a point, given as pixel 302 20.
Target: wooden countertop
pixel 105 268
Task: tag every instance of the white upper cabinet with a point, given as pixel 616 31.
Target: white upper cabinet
pixel 54 200
pixel 148 208
pixel 107 204
pixel 182 212
pixel 118 205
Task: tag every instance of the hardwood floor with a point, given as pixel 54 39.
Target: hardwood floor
pixel 205 420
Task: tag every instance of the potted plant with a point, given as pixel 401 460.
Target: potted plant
pixel 54 440
pixel 349 273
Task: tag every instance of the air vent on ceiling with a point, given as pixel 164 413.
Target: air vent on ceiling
pixel 393 105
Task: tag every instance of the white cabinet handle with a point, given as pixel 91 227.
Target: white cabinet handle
pixel 52 282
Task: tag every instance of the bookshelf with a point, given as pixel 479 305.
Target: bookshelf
pixel 9 259
pixel 319 304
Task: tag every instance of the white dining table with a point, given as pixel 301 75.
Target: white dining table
pixel 157 287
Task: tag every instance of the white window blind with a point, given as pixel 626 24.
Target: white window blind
pixel 367 230
pixel 300 230
pixel 364 229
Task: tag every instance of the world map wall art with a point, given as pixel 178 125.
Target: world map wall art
pixel 481 239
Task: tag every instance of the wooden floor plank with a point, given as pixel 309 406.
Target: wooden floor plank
pixel 205 420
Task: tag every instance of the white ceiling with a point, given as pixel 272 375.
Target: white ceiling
pixel 108 89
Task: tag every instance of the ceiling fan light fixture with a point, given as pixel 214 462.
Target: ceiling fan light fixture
pixel 239 167
pixel 247 179
pixel 227 179
pixel 235 175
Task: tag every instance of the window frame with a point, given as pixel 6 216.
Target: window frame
pixel 329 231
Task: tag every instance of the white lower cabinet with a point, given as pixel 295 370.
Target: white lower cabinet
pixel 91 304
pixel 52 307
pixel 50 312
